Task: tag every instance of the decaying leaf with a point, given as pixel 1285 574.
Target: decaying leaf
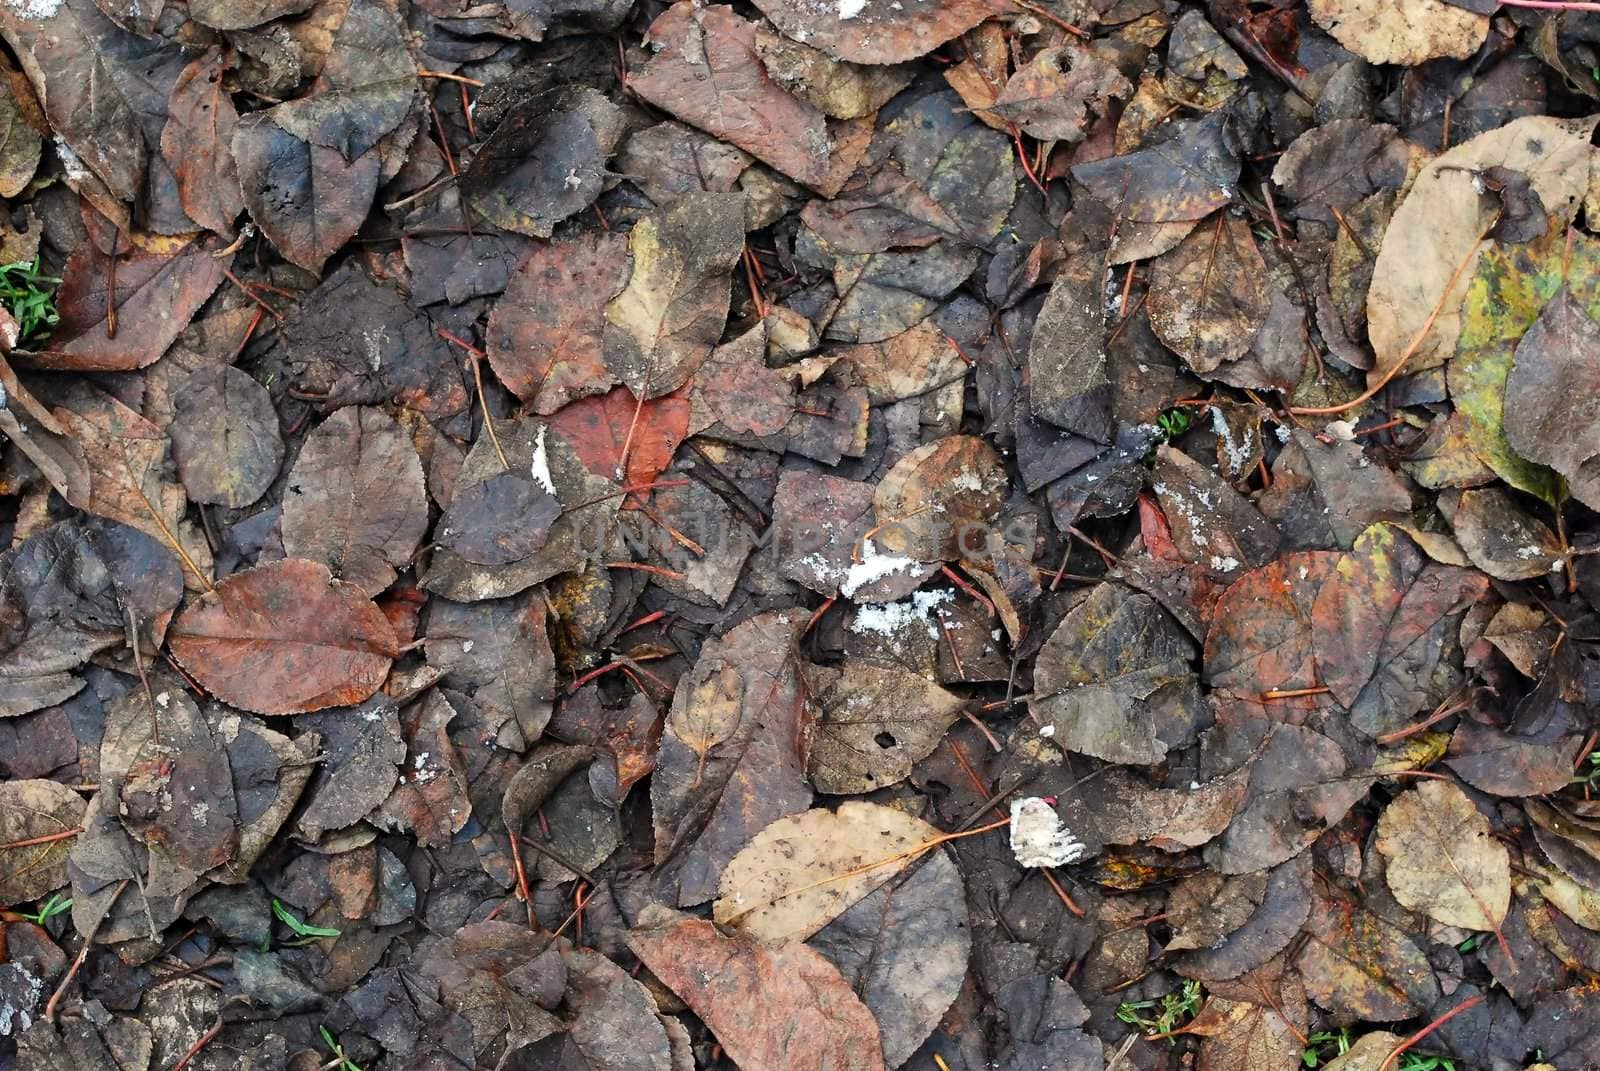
pixel 783 1007
pixel 225 437
pixel 800 873
pixel 31 810
pixel 285 638
pixel 1208 296
pixel 1443 859
pixel 1408 31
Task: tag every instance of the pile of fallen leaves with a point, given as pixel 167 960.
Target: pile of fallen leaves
pixel 829 534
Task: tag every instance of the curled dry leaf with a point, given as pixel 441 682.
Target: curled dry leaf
pixel 800 873
pixel 285 638
pixel 772 1009
pixel 1443 858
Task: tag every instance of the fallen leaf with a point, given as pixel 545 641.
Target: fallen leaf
pixel 1503 539
pixel 285 638
pixel 1068 383
pixel 877 33
pixel 154 297
pixel 1060 92
pixel 730 761
pixel 1357 964
pixel 875 724
pixel 19 147
pixel 499 652
pixel 1435 228
pixel 597 428
pixel 800 873
pixel 1408 31
pixel 1327 494
pixel 197 142
pixel 770 1008
pixel 545 161
pixel 938 500
pixel 355 499
pixel 30 810
pixel 707 71
pixel 362 750
pixel 903 948
pixel 1552 375
pixel 1260 637
pixel 671 314
pixel 1443 859
pixel 1114 680
pixel 430 799
pixel 225 437
pixel 307 199
pixel 1208 296
pixel 543 337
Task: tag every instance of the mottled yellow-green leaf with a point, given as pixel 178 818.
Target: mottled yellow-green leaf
pixel 1513 284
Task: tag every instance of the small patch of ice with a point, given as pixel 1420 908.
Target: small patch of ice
pixel 849 9
pixel 1038 837
pixel 890 618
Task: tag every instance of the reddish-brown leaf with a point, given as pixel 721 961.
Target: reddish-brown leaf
pixel 154 297
pixel 878 32
pixel 706 72
pixel 197 143
pixel 285 638
pixel 772 1009
pixel 544 333
pixel 597 429
pixel 1260 638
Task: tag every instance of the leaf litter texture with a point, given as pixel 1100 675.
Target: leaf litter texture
pixel 798 495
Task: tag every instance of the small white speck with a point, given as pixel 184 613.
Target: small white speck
pixel 466 646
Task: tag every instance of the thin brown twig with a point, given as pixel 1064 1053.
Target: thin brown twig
pixel 447 76
pixel 1400 1049
pixel 194 1050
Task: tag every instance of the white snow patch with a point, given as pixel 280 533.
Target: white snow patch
pixel 466 646
pixel 890 618
pixel 848 9
pixel 35 10
pixel 1283 433
pixel 541 462
pixel 873 567
pixel 1047 731
pixel 1238 454
pixel 1224 565
pixel 1038 838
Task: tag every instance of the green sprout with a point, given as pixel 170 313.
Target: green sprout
pixel 1171 1011
pixel 303 929
pixel 1174 422
pixel 1589 778
pixel 30 298
pixel 1324 1045
pixel 49 908
pixel 345 1063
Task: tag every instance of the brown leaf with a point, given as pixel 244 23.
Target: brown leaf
pixel 545 162
pixel 877 33
pixel 779 1009
pixel 822 522
pixel 285 638
pixel 736 392
pixel 362 750
pixel 903 949
pixel 1115 681
pixel 154 298
pixel 1443 859
pixel 1502 538
pixel 842 90
pixel 800 873
pixel 876 723
pixel 307 199
pixel 544 334
pixel 243 14
pixel 671 314
pixel 598 429
pixel 1208 297
pixel 1326 494
pixel 731 759
pixel 19 146
pixel 706 71
pixel 1212 525
pixel 1260 637
pixel 1357 964
pixel 498 651
pixel 938 500
pixel 1402 31
pixel 1382 623
pixel 355 499
pixel 1061 92
pixel 225 437
pixel 1067 380
pixel 197 143
pixel 1554 377
pixel 31 809
pixel 1436 225
pixel 430 801
pixel 1337 164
